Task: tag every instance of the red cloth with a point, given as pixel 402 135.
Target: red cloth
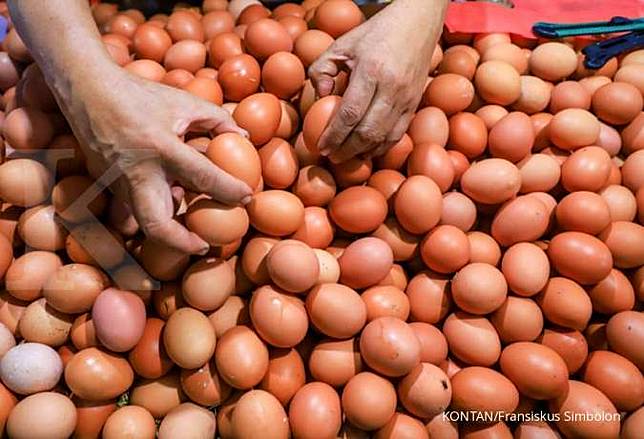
pixel 476 17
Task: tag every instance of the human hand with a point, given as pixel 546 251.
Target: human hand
pixel 389 58
pixel 134 126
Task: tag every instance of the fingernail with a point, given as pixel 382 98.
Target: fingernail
pixel 325 152
pixel 204 251
pixel 247 199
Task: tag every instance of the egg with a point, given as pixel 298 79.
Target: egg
pixel 129 420
pixel 92 243
pixel 483 389
pixel 40 229
pixel 472 339
pixel 285 374
pixel 336 310
pixel 317 231
pixel 260 115
pixel 98 375
pixel 148 357
pixel 526 268
pixel 583 211
pixel 483 41
pixel 429 125
pixel 189 419
pixel 292 266
pixel 615 377
pixel 56 416
pixel 389 346
pixel 24 182
pixel 241 358
pixel 518 319
pixel 433 345
pixel 438 426
pixel 41 323
pixel 266 37
pixel 316 120
pixel 216 223
pixel 445 249
pixel 497 82
pixel 365 262
pixel 632 424
pixel 467 134
pixel 225 46
pixel 623 239
pixel 151 42
pixel 185 54
pixel 27 274
pixel 358 209
pixel 396 156
pixel 279 163
pixel 189 338
pixel 632 178
pixel 124 306
pixel 91 416
pixel 254 259
pixel 624 332
pixel 580 256
pixel 315 407
pixel 283 75
pixel 158 396
pixel 553 61
pixel 612 294
pixel 524 218
pixel 258 412
pixel 406 204
pixel 276 212
pixel 268 306
pixel 568 343
pixel 30 368
pixel 450 92
pixel 491 181
pixel 27 128
pixel 335 362
pixel 573 128
pixel 402 243
pixel 429 297
pixel 572 309
pixel 237 156
pixel 512 137
pixel 583 398
pixel 425 391
pixel 204 386
pixel 432 161
pixel 311 44
pixel 479 288
pixel 368 401
pixel 11 311
pixel 539 173
pixel 616 103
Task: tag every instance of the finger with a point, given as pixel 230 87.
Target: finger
pixel 151 203
pixel 199 174
pixel 372 131
pixel 398 131
pixel 205 116
pixel 324 69
pixel 354 106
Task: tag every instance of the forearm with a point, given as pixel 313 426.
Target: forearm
pixel 63 39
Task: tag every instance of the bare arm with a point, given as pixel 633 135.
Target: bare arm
pixel 389 58
pixel 119 118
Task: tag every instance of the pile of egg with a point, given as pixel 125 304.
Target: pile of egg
pixel 491 261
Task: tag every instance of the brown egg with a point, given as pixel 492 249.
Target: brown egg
pixel 10 217
pixel 11 311
pixel 228 46
pixel 276 213
pixel 41 323
pixel 130 420
pixel 433 345
pixel 482 389
pixel 479 288
pixel 613 294
pixel 280 319
pixel 417 192
pixel 467 134
pixel 315 408
pixel 483 248
pixel 616 103
pixel 121 24
pixel 624 239
pixel 123 306
pixel 491 181
pixel 630 74
pixel 68 190
pixel 148 358
pixel 92 243
pixel 429 125
pixel 524 218
pixel 187 419
pixel 445 249
pixel 389 346
pixel 283 75
pixel 177 78
pixel 387 182
pixel 91 417
pixel 483 41
pixel 56 417
pixel 539 173
pixel 205 88
pixel 508 53
pixel 279 163
pixel 237 156
pixel 260 115
pixel 432 161
pixel 73 288
pixel 583 398
pixel 403 244
pixel 27 128
pixel 266 37
pixel 442 427
pixel 526 268
pixel 289 10
pixel 285 374
pixel 609 139
pixel 401 425
pixel 189 338
pixel 633 424
pixel 569 94
pixel 338 17
pixel 459 59
pixel 365 262
pixel 569 344
pixel 98 375
pixel 317 119
pixel 472 339
pixel 630 171
pixel 162 262
pixel 295 26
pixel 616 377
pixel 184 25
pixel 24 182
pixel 293 266
pixel 311 44
pixel 25 277
pixel 147 69
pixel 583 212
pixel 241 358
pixel 458 210
pixel 248 11
pixel 565 303
pixel 396 156
pixel 239 77
pixel 491 114
pixel 368 401
pixel 217 22
pixel 336 310
pixel 158 396
pixel 185 54
pixel 553 61
pixel 450 92
pixel 257 413
pixel 204 386
pixel 535 95
pixel 512 137
pixel 573 128
pixel 335 362
pixel 151 42
pixel 426 391
pixel 429 297
pixel 317 230
pixel 358 209
pixel 352 172
pixel 254 259
pixel 518 319
pixel 216 223
pixel 624 333
pixel 497 82
pixel 580 257
pixel 586 169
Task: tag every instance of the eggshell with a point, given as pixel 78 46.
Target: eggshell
pixel 188 419
pixel 311 44
pixel 491 181
pixel 573 128
pixel 292 266
pixel 233 312
pixel 315 411
pixel 524 218
pixel 130 420
pixel 276 212
pixel 616 377
pixel 151 42
pixel 433 345
pixel 479 288
pixel 253 259
pixel 553 61
pixel 512 137
pixel 569 344
pixel 189 338
pixel 285 374
pixel 98 375
pixel 621 202
pixel 11 311
pixel 483 248
pixel 580 257
pixel 616 103
pixel 30 368
pixel 365 262
pixel 368 401
pixel 317 231
pixel 583 398
pixel 316 120
pixel 24 182
pixel 91 417
pixel 358 209
pixel 518 319
pixel 336 310
pixel 429 297
pixel 425 391
pixel 158 396
pixel 148 357
pixel 537 370
pixel 40 229
pixel 27 274
pixel 123 306
pixel 335 362
pixel 396 156
pixel 185 54
pixel 56 417
pixel 389 346
pixel 279 163
pixel 260 115
pixel 41 323
pixel 483 389
pixel 472 339
pixel 565 303
pixel 429 125
pixel 535 95
pixel 583 211
pixel 449 92
pixel 418 204
pixel 497 82
pixel 467 134
pixel 266 37
pixel 328 267
pixel 569 94
pixel 268 306
pixel 624 239
pixel 314 186
pixel 386 301
pixel 241 358
pixel 208 283
pixel 625 331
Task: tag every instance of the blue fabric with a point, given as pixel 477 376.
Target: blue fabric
pixel 3 28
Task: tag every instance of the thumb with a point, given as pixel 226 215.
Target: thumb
pixel 206 116
pixel 323 71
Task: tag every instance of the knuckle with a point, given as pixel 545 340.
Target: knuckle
pixel 204 180
pixel 155 229
pixel 371 135
pixel 350 114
